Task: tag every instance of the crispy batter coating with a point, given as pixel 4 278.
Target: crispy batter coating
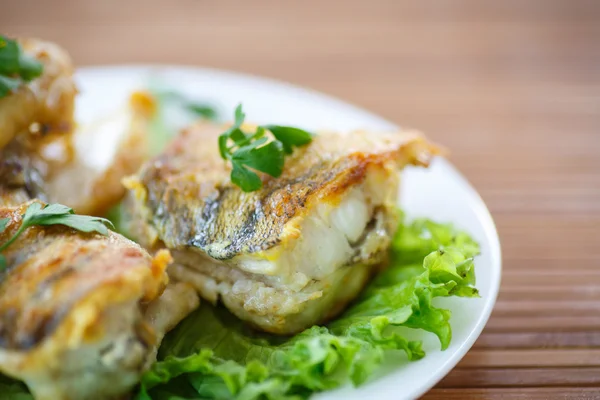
pixel 72 310
pixel 291 254
pixel 192 202
pixel 47 101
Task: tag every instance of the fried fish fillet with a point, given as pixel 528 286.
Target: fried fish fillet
pixel 81 314
pixel 80 166
pixel 291 254
pixel 104 151
pixel 47 101
pixel 85 171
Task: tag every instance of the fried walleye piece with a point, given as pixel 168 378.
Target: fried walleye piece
pixel 104 151
pixel 80 314
pixel 291 254
pixel 44 154
pixel 47 101
pixel 82 170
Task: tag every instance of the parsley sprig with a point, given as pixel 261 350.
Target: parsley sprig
pixel 258 151
pixel 16 67
pixel 53 214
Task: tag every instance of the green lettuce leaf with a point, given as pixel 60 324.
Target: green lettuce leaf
pixel 11 389
pixel 213 355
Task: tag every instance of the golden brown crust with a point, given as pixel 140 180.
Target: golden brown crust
pixel 72 309
pixel 281 257
pixel 51 270
pixel 190 200
pixel 48 100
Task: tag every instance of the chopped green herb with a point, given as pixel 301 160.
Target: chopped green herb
pixel 289 136
pixel 16 67
pixel 53 214
pixel 254 151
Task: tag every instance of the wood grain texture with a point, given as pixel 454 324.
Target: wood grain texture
pixel 514 394
pixel 522 377
pixel 512 87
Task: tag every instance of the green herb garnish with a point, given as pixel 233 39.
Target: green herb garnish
pixel 53 214
pixel 203 110
pixel 256 151
pixel 16 67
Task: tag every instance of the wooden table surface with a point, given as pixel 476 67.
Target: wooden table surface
pixel 512 87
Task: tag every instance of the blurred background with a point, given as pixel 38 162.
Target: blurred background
pixel 511 87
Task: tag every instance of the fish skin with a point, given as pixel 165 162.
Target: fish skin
pixel 72 302
pixel 50 269
pixel 191 203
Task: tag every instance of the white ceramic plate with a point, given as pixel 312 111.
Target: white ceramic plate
pixel 440 193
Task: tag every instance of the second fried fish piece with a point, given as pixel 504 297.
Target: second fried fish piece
pixel 81 314
pixel 104 151
pixel 82 170
pixel 291 254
